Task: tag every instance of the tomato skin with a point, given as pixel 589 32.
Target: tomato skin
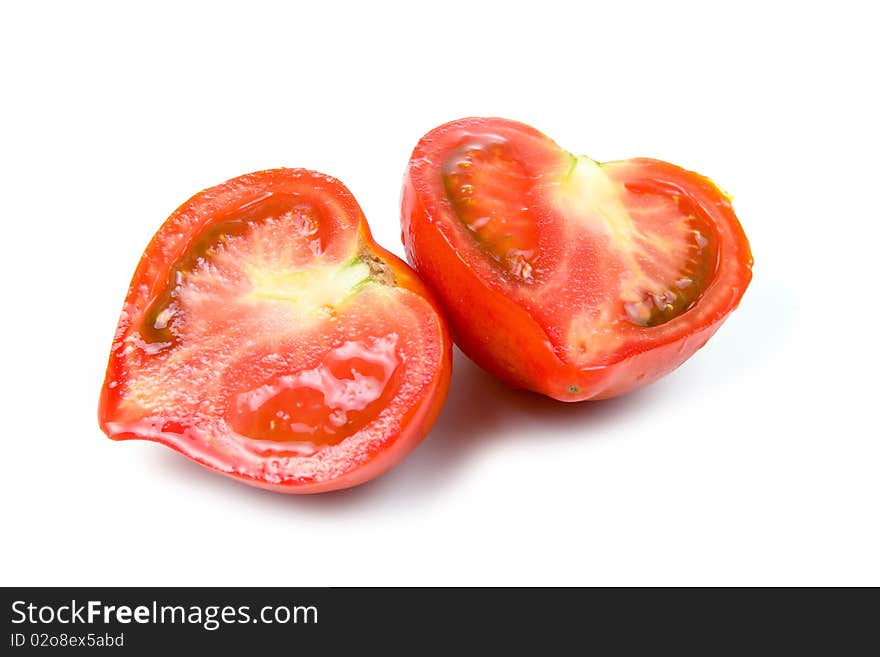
pixel 341 217
pixel 507 338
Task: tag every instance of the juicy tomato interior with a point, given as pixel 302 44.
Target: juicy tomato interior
pixel 671 255
pixel 601 256
pixel 278 216
pixel 300 412
pixel 274 338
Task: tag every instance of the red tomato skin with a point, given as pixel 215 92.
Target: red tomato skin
pixel 171 242
pixel 503 338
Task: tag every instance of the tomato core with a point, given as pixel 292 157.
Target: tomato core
pixel 267 255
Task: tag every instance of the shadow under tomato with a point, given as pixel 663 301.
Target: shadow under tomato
pixel 479 410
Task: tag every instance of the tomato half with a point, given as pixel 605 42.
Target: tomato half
pixel 566 276
pixel 265 335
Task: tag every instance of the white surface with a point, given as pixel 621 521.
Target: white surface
pixel 755 463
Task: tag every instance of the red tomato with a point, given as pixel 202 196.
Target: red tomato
pixel 562 275
pixel 265 335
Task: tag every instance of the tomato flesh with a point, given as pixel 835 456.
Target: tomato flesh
pixel 584 269
pixel 484 183
pixel 276 342
pixel 323 405
pixel 672 257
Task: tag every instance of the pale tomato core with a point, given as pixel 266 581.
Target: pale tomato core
pixel 246 228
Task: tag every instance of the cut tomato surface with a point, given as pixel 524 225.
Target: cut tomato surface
pixel 563 275
pixel 266 336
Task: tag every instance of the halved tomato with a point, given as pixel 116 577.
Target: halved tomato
pixel 570 277
pixel 266 336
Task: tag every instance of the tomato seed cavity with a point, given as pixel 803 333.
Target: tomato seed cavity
pixel 488 192
pixel 300 412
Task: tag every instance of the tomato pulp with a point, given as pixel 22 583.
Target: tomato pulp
pixel 265 335
pixel 566 276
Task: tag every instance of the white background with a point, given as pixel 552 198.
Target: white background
pixel 755 463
